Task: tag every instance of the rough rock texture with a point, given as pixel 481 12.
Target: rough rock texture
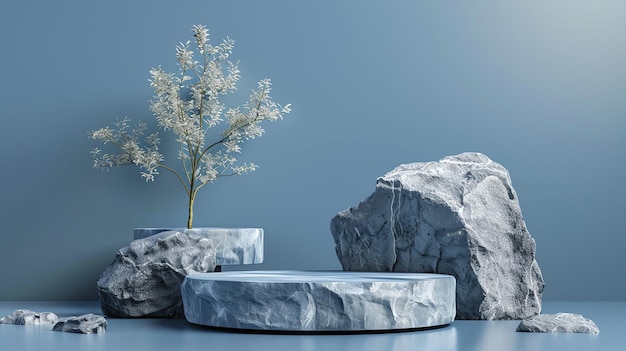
pixel 28 317
pixel 85 324
pixel 458 216
pixel 319 301
pixel 558 323
pixel 145 277
pixel 235 245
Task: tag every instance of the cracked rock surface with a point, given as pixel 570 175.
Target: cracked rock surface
pixel 558 323
pixel 144 279
pixel 457 216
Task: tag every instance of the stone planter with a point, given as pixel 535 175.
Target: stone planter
pixel 234 246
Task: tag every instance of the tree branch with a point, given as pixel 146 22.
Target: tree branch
pixel 178 176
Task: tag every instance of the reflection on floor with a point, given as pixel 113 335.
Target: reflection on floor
pixel 161 334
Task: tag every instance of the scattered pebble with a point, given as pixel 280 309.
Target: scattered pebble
pixel 85 324
pixel 558 323
pixel 28 317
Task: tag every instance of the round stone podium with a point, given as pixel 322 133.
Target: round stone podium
pixel 317 301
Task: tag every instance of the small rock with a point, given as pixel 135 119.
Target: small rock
pixel 28 317
pixel 558 323
pixel 85 324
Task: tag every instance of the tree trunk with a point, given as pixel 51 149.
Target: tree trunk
pixel 192 198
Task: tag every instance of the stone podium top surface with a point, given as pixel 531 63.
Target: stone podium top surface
pixel 291 276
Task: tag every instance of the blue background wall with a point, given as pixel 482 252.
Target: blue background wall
pixel 539 87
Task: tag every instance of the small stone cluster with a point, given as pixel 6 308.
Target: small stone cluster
pixel 85 324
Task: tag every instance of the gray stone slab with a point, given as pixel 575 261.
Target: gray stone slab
pixel 233 246
pixel 319 301
pixel 558 323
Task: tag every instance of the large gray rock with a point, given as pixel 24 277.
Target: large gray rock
pixel 558 323
pixel 28 317
pixel 85 324
pixel 145 277
pixel 458 216
pixel 319 301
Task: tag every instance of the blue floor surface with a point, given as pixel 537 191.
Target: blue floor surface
pixel 178 335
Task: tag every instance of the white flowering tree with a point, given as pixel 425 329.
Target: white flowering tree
pixel 188 105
